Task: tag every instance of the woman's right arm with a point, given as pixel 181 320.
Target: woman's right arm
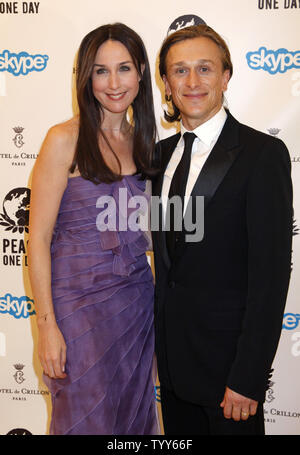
pixel 49 181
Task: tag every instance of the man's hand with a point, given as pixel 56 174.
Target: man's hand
pixel 237 406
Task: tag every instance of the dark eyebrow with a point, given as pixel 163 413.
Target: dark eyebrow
pixel 182 63
pixel 122 63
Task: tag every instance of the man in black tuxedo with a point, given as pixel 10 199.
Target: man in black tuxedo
pixel 219 301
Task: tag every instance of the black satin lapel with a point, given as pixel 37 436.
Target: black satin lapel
pixel 219 161
pixel 216 167
pixel 213 172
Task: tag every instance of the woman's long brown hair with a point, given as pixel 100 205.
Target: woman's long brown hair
pixel 88 158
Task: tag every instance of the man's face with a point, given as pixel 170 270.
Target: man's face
pixel 195 79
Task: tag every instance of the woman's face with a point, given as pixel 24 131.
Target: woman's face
pixel 115 80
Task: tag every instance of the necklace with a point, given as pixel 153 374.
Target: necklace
pixel 111 129
pixel 125 129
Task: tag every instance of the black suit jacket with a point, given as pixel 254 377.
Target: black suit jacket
pixel 219 304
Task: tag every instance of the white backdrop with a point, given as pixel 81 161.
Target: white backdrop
pixel 38 45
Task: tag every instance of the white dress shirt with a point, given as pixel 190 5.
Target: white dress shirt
pixel 207 135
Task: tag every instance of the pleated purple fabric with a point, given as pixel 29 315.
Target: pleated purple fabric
pixel 102 289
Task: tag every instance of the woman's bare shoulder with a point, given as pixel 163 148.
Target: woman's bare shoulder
pixel 61 140
pixel 65 133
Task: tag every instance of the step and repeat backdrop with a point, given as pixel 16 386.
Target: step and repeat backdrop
pixel 38 46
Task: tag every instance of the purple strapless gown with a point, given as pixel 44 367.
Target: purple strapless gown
pixel 102 289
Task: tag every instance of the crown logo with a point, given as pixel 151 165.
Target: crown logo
pixel 18 129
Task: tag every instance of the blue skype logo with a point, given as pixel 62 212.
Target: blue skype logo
pixel 18 307
pixel 291 321
pixel 22 63
pixel 273 61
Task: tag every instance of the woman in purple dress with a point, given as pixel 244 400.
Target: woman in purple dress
pixel 93 287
